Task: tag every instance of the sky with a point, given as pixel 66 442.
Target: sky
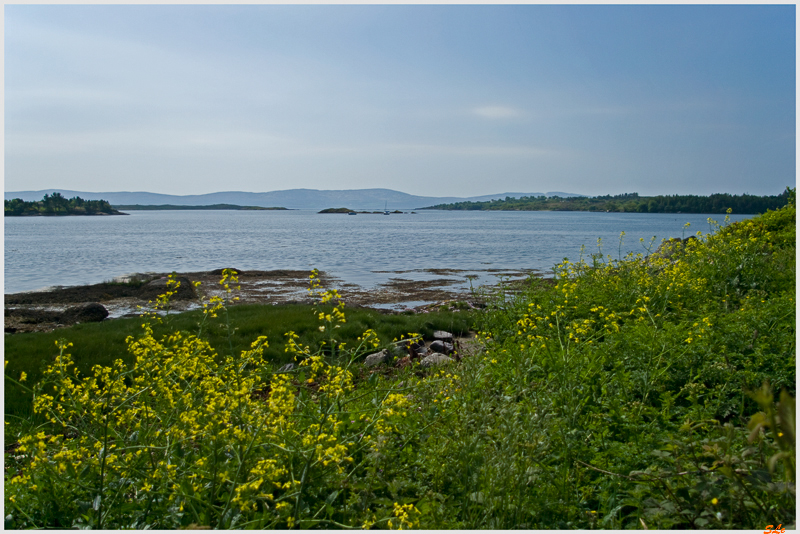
pixel 448 100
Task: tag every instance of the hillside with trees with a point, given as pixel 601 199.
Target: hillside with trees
pixel 56 204
pixel 632 202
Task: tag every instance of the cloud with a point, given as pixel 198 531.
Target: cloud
pixel 496 112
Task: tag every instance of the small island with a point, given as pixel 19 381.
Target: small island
pixel 348 211
pixel 336 210
pixel 57 204
pixel 159 207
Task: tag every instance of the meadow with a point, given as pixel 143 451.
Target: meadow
pixel 637 392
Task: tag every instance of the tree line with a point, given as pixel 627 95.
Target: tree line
pixel 57 204
pixel 632 202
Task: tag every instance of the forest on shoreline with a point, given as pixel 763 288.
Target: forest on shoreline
pixel 56 204
pixel 631 202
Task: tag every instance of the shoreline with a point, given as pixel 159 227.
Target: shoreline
pixel 128 296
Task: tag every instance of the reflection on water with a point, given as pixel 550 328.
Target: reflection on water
pixel 365 250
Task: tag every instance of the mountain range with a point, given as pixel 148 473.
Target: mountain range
pixel 362 199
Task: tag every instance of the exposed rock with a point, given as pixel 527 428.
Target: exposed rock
pixel 397 350
pixel 218 272
pixel 377 358
pixel 88 313
pixel 33 316
pixel 286 368
pixel 444 336
pixel 162 282
pixel 416 345
pixel 157 287
pixel 442 347
pixel 416 348
pixel 435 359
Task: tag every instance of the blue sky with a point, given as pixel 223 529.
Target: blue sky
pixel 429 100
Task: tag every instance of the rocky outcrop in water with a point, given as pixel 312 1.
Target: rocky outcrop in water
pixel 86 313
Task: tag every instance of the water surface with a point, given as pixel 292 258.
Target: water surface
pixel 365 249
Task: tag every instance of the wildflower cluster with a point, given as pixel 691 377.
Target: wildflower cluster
pixel 393 408
pixel 629 353
pixel 402 519
pixel 184 435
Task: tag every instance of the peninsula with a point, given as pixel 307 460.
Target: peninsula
pixel 630 202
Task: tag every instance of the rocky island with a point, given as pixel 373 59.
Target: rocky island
pixel 336 210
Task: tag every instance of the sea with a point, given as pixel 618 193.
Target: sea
pixel 366 249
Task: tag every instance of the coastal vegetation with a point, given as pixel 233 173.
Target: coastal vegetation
pixel 102 343
pixel 159 207
pixel 336 210
pixel 631 202
pixel 649 391
pixel 57 204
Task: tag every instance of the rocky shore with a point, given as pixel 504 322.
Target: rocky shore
pixel 128 296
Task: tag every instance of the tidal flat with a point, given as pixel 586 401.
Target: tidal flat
pixel 406 291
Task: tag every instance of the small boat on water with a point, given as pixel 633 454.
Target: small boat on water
pixel 386 208
pixel 352 213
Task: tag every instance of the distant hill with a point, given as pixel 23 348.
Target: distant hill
pixel 361 199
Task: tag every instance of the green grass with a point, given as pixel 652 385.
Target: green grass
pixel 102 343
pixel 632 393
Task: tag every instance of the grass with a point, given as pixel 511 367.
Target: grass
pixel 102 343
pixel 631 393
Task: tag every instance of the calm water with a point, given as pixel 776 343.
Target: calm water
pixel 48 251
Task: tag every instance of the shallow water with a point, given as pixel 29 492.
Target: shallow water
pixel 367 250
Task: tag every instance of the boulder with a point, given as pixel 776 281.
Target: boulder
pixel 154 288
pixel 397 350
pixel 87 313
pixel 377 358
pixel 416 348
pixel 442 347
pixel 435 359
pixel 444 336
pixel 416 345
